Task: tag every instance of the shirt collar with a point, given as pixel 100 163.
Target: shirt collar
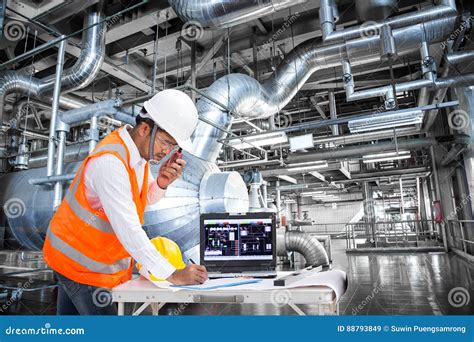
pixel 135 157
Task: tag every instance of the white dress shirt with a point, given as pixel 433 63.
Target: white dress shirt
pixel 108 187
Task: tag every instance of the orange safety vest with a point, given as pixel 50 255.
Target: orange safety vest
pixel 80 243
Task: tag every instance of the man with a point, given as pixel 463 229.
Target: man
pixel 97 229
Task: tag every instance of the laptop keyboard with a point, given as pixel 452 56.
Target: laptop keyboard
pixel 255 274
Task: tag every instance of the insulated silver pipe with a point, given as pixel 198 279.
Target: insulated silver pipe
pixel 226 13
pixel 359 151
pixel 333 111
pixel 58 186
pixel 429 82
pixel 72 153
pixel 107 107
pixel 305 244
pixel 459 57
pixel 78 76
pixel 55 109
pixel 248 98
pixel 444 9
pixel 93 134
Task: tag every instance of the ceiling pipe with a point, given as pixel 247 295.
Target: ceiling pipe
pixel 82 73
pixel 223 14
pixel 361 150
pixel 103 108
pixel 459 57
pixel 445 8
pixel 75 152
pixel 429 81
pixel 248 98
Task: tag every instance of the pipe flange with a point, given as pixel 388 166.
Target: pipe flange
pixel 347 77
pixel 428 61
pixel 390 103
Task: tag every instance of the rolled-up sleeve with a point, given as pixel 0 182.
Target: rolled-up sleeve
pixel 108 178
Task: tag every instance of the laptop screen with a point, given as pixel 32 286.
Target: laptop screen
pixel 228 239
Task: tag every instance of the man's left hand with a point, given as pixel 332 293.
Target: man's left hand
pixel 169 173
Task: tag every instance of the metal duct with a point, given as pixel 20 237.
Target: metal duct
pixel 78 76
pixel 227 13
pixel 303 243
pixel 445 8
pixel 248 98
pixel 108 107
pixel 375 9
pixel 73 153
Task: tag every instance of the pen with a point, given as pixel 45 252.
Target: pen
pixel 192 261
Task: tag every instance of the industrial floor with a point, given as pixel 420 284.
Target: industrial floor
pixel 379 284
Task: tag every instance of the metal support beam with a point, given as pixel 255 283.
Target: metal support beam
pixel 55 107
pixel 193 69
pixel 333 112
pixel 212 51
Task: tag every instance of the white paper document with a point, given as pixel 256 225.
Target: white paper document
pixel 335 279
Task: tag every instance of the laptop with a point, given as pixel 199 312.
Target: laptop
pixel 234 245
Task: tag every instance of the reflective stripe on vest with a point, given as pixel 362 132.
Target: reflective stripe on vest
pixel 84 260
pixel 112 147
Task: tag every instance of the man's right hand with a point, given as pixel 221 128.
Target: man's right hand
pixel 191 275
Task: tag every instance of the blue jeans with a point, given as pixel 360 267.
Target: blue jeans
pixel 80 299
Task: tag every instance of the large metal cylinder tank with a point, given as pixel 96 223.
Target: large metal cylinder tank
pixel 202 188
pixel 28 209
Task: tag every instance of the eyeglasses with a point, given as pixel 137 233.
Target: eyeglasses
pixel 166 144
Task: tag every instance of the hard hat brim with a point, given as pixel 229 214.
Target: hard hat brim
pixel 186 145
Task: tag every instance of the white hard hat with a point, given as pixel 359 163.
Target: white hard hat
pixel 175 112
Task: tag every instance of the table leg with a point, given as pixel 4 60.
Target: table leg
pixel 155 307
pixel 141 308
pixel 120 308
pixel 297 309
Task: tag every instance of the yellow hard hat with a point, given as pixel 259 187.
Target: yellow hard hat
pixel 170 250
